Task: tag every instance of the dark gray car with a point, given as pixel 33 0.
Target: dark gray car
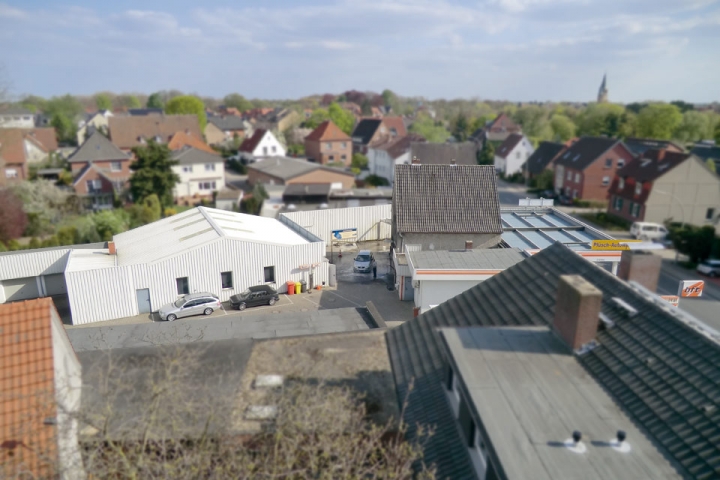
pixel 202 303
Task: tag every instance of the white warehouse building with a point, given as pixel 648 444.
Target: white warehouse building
pixel 202 249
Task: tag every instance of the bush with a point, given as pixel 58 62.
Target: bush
pixel 237 167
pixel 169 212
pixel 13 245
pixel 376 181
pixel 34 243
pixel 698 243
pixel 68 236
pixel 51 242
pixel 3 248
pixel 543 181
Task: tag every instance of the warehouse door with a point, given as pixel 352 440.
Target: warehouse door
pixel 143 299
pixel 55 284
pixel 20 289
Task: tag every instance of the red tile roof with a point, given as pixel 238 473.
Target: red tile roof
pixel 181 139
pixel 396 123
pixel 328 131
pixel 250 144
pixel 12 149
pixel 127 132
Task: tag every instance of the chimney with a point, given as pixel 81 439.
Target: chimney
pixel 111 248
pixel 415 161
pixel 641 267
pixel 468 244
pixel 452 162
pixel 577 310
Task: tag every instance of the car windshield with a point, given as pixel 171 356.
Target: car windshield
pixel 179 302
pixel 245 292
pixel 363 258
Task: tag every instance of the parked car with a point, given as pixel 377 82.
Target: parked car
pixel 646 231
pixel 254 296
pixel 710 268
pixel 364 262
pixel 191 304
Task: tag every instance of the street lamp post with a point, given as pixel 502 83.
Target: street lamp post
pixel 682 213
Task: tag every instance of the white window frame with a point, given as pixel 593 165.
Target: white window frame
pixel 634 210
pixel 621 183
pixel 577 178
pixel 638 188
pixel 617 204
pixel 209 167
pixel 274 274
pixel 606 180
pixel 116 166
pixel 187 168
pixel 610 160
pixel 569 175
pixel 620 162
pixel 11 173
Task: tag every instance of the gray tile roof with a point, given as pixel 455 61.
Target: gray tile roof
pixel 283 167
pixel 464 153
pixel 190 156
pixel 230 122
pixel 674 400
pixel 495 259
pixel 526 393
pixel 585 151
pixel 446 199
pixel 541 158
pixel 97 147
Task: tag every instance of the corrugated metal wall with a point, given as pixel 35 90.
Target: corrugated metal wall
pixel 33 263
pixel 368 221
pixel 105 294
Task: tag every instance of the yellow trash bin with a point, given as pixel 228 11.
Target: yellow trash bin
pixel 298 287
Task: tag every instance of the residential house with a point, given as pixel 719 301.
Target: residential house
pixel 543 158
pixel 93 121
pixel 511 155
pixel 586 169
pixel 352 107
pixel 101 172
pixel 285 171
pixel 22 147
pixel 661 185
pixel 16 117
pixel 224 110
pixel 40 396
pixel 440 207
pixel 371 131
pixel 509 370
pixel 262 144
pixel 314 196
pixel 459 153
pixel 201 173
pixel 278 119
pixel 496 130
pixel 224 129
pixel 707 152
pixel 183 139
pixel 638 146
pixel 141 112
pixel 133 131
pixel 328 144
pixel 395 126
pixel 229 198
pixel 383 156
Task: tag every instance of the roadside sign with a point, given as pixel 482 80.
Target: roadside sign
pixel 691 288
pixel 612 244
pixel 346 234
pixel 673 300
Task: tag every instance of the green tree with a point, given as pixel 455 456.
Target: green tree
pixel 34 103
pixel 111 222
pixel 434 132
pixel 341 117
pixel 152 173
pixel 359 161
pixel 68 235
pixel 316 118
pixel 695 126
pixel 155 100
pixel 133 102
pixel 486 156
pixel 600 119
pixel 545 180
pixel 461 130
pixel 534 122
pixel 67 105
pixel 103 101
pixel 711 165
pixel 659 121
pixel 683 106
pixel 717 133
pixel 562 127
pixel 34 243
pixel 65 128
pixel 366 107
pixel 188 104
pixel 237 101
pixel 376 181
pixel 390 99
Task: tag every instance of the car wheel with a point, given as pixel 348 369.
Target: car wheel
pixel 208 311
pixel 272 302
pixel 171 318
pixel 242 306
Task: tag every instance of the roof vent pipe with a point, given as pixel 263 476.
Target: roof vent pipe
pixel 415 161
pixel 452 162
pixel 468 244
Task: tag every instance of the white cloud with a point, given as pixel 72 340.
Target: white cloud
pixel 7 11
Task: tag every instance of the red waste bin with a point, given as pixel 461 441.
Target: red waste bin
pixel 290 287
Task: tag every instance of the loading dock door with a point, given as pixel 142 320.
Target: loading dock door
pixel 55 284
pixel 20 289
pixel 143 299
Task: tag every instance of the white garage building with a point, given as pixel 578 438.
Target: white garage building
pixel 143 269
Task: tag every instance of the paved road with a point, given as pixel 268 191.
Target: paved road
pixel 705 308
pixel 510 193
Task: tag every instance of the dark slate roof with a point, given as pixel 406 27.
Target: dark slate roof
pixel 446 199
pixel 284 167
pixel 464 153
pixel 97 147
pixel 652 164
pixel 706 151
pixel 307 189
pixel 638 146
pixel 674 400
pixel 229 122
pixel 508 145
pixel 136 112
pixel 365 129
pixel 542 157
pixel 191 156
pixel 250 144
pixel 585 151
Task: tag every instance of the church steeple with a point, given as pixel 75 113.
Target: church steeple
pixel 603 92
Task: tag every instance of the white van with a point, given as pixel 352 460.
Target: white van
pixel 649 232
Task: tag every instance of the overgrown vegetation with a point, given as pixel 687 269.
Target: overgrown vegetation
pixel 605 221
pixel 698 243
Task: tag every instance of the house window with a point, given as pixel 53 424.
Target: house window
pixel 621 183
pixel 328 146
pixel 710 214
pixel 265 150
pixel 115 166
pixel 575 194
pixel 606 180
pixel 269 273
pixel 343 157
pixel 227 280
pixel 206 185
pixel 343 145
pixel 577 178
pixel 331 157
pixel 569 177
pixel 608 163
pixel 638 188
pixel 11 173
pixel 621 162
pixel 183 287
pixel 618 203
pixel 93 185
pixel 274 149
pixel 635 209
pixel 209 167
pixel 187 168
pixel 478 450
pixel 517 154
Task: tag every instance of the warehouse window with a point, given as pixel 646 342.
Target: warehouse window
pixel 183 287
pixel 226 278
pixel 269 274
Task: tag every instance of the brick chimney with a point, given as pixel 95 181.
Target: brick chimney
pixel 641 267
pixel 577 310
pixel 452 162
pixel 415 161
pixel 468 245
pixel 111 248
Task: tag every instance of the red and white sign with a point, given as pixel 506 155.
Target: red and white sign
pixel 691 288
pixel 673 300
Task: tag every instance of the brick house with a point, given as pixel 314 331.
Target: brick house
pixel 133 131
pixel 372 131
pixel 661 185
pixel 586 169
pixel 327 144
pixel 496 130
pixel 100 172
pixel 22 147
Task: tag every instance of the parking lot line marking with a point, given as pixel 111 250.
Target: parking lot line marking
pixel 347 299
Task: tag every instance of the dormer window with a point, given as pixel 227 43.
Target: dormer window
pixel 638 188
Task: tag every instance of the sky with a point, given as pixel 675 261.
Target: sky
pixel 518 50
